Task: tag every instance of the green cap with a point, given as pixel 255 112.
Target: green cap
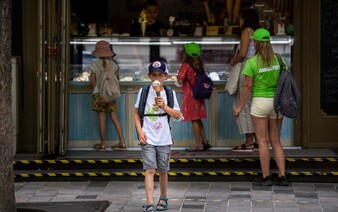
pixel 192 49
pixel 261 35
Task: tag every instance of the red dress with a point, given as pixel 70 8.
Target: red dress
pixel 192 108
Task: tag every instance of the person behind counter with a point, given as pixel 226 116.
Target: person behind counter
pixel 154 26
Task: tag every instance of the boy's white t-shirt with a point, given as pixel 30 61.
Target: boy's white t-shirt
pixel 156 127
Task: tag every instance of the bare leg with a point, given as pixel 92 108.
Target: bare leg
pixel 163 186
pixel 202 132
pixel 114 118
pixel 249 138
pixel 276 145
pixel 197 130
pixel 163 183
pixel 262 134
pixel 102 125
pixel 149 185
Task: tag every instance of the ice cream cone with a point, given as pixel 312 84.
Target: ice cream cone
pixel 143 28
pixel 157 87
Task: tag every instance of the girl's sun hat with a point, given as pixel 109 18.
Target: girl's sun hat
pixel 261 34
pixel 102 49
pixel 192 49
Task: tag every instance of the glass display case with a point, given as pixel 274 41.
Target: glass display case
pixel 133 54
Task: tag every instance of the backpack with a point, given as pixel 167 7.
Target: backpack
pixel 108 85
pixel 203 86
pixel 287 98
pixel 143 101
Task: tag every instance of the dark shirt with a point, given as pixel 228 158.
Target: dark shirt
pixel 151 30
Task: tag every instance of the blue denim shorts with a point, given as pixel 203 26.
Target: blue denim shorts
pixel 156 157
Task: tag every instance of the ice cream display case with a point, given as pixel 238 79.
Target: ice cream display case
pixel 133 54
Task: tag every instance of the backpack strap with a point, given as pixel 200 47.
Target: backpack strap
pixel 281 65
pixel 170 96
pixel 143 101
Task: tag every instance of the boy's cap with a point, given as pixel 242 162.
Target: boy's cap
pixel 192 49
pixel 158 66
pixel 102 49
pixel 261 35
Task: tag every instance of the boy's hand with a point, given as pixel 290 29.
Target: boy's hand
pixel 159 102
pixel 142 138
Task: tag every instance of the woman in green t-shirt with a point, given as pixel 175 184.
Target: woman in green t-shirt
pixel 261 77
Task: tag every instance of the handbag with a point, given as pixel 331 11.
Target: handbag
pixel 232 83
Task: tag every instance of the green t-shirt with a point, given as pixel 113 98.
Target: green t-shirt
pixel 265 79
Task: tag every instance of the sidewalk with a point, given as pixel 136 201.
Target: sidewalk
pixel 183 196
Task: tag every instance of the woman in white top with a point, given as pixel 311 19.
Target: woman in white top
pixel 248 21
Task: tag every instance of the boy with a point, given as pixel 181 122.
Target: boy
pixel 154 135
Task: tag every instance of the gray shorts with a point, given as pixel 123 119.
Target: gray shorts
pixel 156 157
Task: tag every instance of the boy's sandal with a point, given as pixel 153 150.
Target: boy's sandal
pixel 162 206
pixel 195 149
pixel 149 208
pixel 206 145
pixel 244 148
pixel 255 145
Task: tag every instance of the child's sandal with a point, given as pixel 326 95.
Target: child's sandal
pixel 195 149
pixel 206 145
pixel 101 148
pixel 163 206
pixel 149 208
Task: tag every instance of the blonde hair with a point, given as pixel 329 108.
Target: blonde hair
pixel 264 52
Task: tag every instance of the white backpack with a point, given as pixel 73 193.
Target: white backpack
pixel 108 84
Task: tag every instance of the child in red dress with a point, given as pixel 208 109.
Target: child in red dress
pixel 193 109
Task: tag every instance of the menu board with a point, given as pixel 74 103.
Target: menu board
pixel 329 57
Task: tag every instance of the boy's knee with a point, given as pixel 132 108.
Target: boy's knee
pixel 151 171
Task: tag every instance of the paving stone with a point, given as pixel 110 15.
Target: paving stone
pixel 307 195
pixel 329 209
pixel 86 197
pixel 262 204
pixel 285 204
pixel 261 188
pixel 240 196
pixel 286 209
pixel 238 209
pixel 40 199
pixel 240 189
pixel 258 194
pixel 262 209
pixel 233 203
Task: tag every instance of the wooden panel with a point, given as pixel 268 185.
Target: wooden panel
pixel 318 129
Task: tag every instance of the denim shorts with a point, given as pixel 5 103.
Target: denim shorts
pixel 156 157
